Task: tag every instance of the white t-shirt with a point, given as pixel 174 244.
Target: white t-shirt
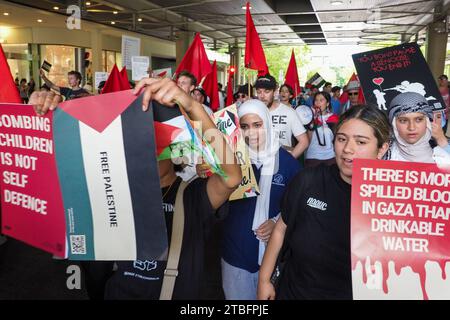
pixel 315 150
pixel 221 100
pixel 287 123
pixel 208 110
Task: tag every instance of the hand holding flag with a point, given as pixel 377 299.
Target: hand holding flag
pixel 165 91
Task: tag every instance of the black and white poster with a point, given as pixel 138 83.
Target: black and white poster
pixel 387 72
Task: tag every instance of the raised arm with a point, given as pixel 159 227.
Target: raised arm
pixel 166 92
pixel 48 82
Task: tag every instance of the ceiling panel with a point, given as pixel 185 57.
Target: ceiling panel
pixel 224 20
pixel 273 28
pixel 287 41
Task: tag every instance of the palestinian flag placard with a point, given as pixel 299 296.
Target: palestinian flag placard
pixel 108 171
pixel 46 66
pixel 83 181
pixel 316 80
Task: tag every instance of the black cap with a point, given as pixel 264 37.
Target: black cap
pixel 266 82
pixel 244 89
pixel 202 91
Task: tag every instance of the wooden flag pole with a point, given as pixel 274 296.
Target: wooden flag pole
pixel 248 76
pixel 295 98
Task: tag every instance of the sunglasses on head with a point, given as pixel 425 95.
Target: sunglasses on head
pixel 353 93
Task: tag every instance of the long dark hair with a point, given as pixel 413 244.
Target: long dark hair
pixel 318 116
pixel 373 117
pixel 327 97
pixel 291 92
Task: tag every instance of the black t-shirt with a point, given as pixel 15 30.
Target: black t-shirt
pixel 143 279
pixel 70 94
pixel 316 208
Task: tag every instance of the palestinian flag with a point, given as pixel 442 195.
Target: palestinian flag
pixel 250 193
pixel 109 179
pixel 176 138
pixel 316 80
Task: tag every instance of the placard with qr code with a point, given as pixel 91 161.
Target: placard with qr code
pixel 78 244
pixel 80 184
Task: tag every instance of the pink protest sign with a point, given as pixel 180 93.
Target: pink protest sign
pixel 32 207
pixel 400 232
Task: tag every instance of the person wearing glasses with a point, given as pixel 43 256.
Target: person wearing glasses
pixel 242 94
pixel 353 95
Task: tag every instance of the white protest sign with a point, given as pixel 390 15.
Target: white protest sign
pixel 139 67
pixel 131 46
pixel 99 77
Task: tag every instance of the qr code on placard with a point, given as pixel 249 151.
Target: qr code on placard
pixel 78 244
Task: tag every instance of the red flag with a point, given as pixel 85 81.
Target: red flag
pixel 292 75
pixel 344 96
pixel 211 88
pixel 195 60
pixel 361 99
pixel 8 90
pixel 114 81
pixel 254 53
pixel 230 99
pixel 125 83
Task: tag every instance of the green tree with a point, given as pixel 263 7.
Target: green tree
pixel 343 74
pixel 278 58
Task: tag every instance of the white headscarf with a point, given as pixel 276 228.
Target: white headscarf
pixel 420 151
pixel 267 159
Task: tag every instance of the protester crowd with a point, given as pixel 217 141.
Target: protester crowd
pixel 301 147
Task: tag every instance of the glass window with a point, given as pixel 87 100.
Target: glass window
pixel 88 66
pixel 62 59
pixel 109 58
pixel 103 60
pixel 119 60
pixel 18 60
